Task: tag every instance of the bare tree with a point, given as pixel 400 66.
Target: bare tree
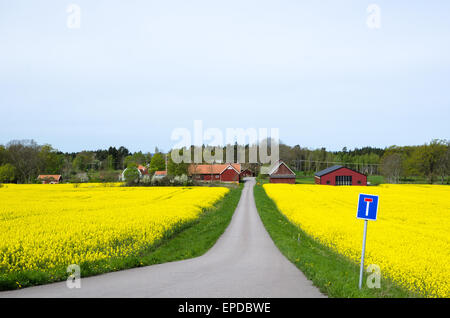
pixel 392 167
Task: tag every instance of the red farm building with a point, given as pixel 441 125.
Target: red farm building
pixel 215 172
pixel 281 173
pixel 340 175
pixel 246 173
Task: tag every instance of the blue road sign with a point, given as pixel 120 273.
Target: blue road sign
pixel 367 207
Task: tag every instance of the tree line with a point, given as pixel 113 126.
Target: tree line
pixel 431 161
pixel 22 161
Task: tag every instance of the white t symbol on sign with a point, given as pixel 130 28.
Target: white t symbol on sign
pixel 368 200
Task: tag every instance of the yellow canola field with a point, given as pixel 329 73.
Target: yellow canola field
pixel 46 226
pixel 410 240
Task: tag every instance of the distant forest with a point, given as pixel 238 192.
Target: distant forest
pixel 21 161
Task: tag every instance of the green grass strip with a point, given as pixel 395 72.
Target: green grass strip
pixel 334 274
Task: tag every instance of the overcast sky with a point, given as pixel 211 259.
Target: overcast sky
pixel 136 70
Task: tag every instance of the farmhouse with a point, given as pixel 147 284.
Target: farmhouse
pixel 215 172
pixel 340 175
pixel 50 178
pixel 281 173
pixel 160 174
pixel 143 170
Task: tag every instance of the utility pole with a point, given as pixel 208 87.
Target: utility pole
pixel 166 163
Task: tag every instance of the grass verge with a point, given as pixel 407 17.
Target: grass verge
pixel 186 241
pixel 334 274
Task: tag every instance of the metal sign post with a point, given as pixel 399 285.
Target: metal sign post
pixel 361 270
pixel 367 210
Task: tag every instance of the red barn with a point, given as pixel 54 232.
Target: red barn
pixel 281 173
pixel 215 172
pixel 246 173
pixel 340 175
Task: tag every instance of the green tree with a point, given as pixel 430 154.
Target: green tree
pixel 148 157
pixel 137 158
pixel 122 152
pixel 109 162
pixel 50 161
pixel 176 169
pixel 7 173
pixel 131 175
pixel 427 159
pixel 3 155
pixel 444 164
pixel 82 161
pixel 158 162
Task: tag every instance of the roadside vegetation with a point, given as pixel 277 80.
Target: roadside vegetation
pixel 191 237
pixel 334 274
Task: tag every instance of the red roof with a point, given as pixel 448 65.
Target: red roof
pixel 277 170
pixel 212 168
pixel 49 176
pixel 143 169
pixel 160 173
